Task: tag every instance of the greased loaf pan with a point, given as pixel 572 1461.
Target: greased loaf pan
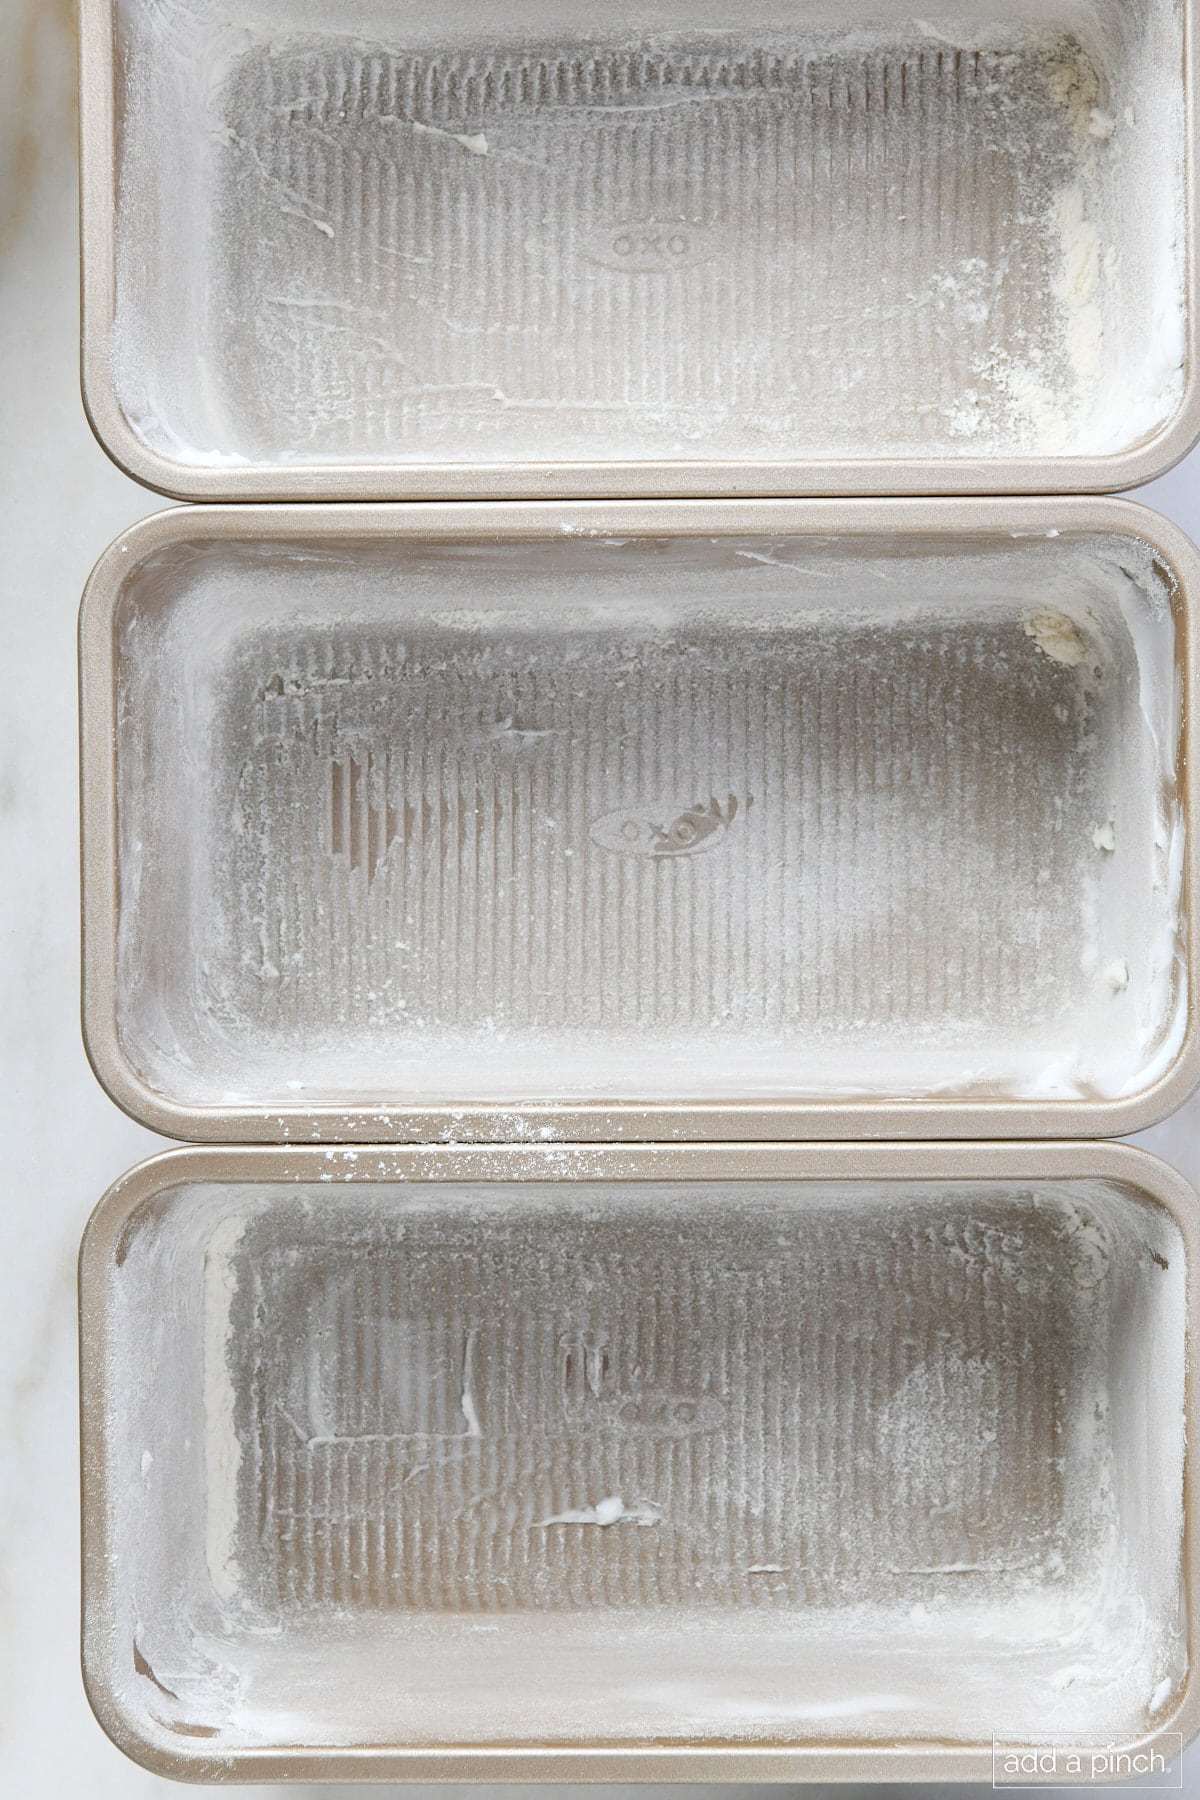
pixel 380 251
pixel 661 1463
pixel 637 821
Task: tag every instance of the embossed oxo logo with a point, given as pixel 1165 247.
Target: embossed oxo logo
pixel 667 832
pixel 651 245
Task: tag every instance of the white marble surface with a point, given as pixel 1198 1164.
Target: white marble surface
pixel 60 503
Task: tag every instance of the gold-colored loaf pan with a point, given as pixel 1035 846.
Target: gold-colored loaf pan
pixel 641 821
pixel 380 252
pixel 772 1463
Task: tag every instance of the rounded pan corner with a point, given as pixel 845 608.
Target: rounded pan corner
pixel 100 601
pixel 148 1179
pixel 1157 1180
pixel 126 1088
pixel 172 1755
pixel 1131 515
pixel 123 445
pixel 1141 1111
pixel 1184 1720
pixel 1157 455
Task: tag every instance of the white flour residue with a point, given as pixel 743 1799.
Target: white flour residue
pixel 1103 293
pixel 1056 636
pixel 1160 1696
pixel 1117 975
pixel 466 1398
pixel 222 1448
pixel 612 1511
pixel 1078 287
pixel 475 142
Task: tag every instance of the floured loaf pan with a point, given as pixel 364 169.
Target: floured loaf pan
pixel 641 821
pixel 448 251
pixel 637 1463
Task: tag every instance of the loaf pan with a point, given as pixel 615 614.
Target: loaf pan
pixel 655 1463
pixel 641 821
pixel 381 252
